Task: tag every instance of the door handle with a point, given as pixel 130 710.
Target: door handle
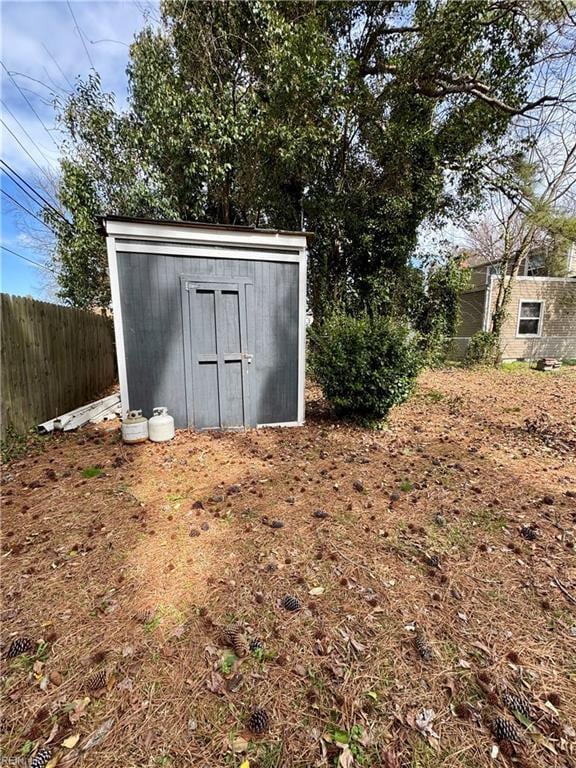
pixel 247 357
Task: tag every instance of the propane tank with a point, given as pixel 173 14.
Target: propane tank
pixel 135 428
pixel 161 426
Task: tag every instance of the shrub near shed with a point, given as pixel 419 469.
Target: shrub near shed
pixel 365 365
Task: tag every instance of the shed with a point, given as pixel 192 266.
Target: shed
pixel 209 321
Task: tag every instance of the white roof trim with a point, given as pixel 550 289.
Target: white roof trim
pixel 160 231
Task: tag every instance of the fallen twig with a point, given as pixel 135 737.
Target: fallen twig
pixel 564 591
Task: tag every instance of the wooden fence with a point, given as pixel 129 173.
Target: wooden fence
pixel 53 359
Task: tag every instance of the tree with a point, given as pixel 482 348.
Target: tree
pixel 350 118
pixel 531 205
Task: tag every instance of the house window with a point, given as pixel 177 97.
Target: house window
pixel 530 318
pixel 535 265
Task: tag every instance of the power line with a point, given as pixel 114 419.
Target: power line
pixel 25 258
pixel 40 82
pixel 27 100
pixel 58 66
pixel 80 35
pixel 24 131
pixel 40 196
pixel 27 210
pixel 25 150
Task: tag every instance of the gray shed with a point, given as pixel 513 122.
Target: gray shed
pixel 209 321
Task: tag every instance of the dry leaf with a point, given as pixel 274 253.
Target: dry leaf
pixel 98 736
pixel 346 758
pixel 239 744
pixel 71 741
pixel 179 631
pixel 423 723
pixel 358 647
pixel 216 683
pixel 316 591
pixel 483 648
pixel 126 685
pixel 53 732
pixel 390 760
pixel 79 709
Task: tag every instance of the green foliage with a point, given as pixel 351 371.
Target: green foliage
pixel 15 444
pixel 227 661
pixel 440 309
pixel 278 114
pixel 92 472
pixel 365 364
pixel 483 349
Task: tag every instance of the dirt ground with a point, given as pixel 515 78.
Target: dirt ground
pixel 454 525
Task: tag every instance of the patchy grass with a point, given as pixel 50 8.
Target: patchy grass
pixel 137 574
pixel 15 444
pixel 92 472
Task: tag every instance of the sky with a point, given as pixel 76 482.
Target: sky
pixel 44 48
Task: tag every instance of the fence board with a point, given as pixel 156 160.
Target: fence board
pixel 53 359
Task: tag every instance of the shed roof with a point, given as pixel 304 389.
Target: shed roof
pixel 198 225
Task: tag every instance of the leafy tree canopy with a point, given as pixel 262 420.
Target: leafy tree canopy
pixel 350 118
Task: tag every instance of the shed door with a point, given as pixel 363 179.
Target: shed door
pixel 218 362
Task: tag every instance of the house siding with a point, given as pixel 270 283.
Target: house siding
pixel 558 328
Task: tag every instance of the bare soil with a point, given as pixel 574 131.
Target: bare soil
pixel 131 560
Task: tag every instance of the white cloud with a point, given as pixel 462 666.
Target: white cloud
pixel 40 41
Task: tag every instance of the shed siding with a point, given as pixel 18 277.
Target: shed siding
pixel 153 335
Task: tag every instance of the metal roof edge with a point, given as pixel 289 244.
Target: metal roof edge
pixel 198 225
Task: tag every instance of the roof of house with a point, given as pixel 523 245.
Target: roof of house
pixel 200 225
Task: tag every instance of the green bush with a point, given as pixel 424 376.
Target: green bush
pixel 483 349
pixel 365 365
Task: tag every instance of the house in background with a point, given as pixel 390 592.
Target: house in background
pixel 541 316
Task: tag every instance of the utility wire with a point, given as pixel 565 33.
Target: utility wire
pixel 25 150
pixel 27 100
pixel 40 82
pixel 19 204
pixel 80 35
pixel 25 258
pixel 24 131
pixel 12 172
pixel 58 66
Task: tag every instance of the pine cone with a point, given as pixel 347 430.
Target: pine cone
pixel 41 758
pixel 516 703
pixel 291 603
pixel 433 561
pixel 528 533
pixel 422 646
pixel 504 730
pixel 235 637
pixel 97 681
pixel 20 645
pixel 145 616
pixel 258 721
